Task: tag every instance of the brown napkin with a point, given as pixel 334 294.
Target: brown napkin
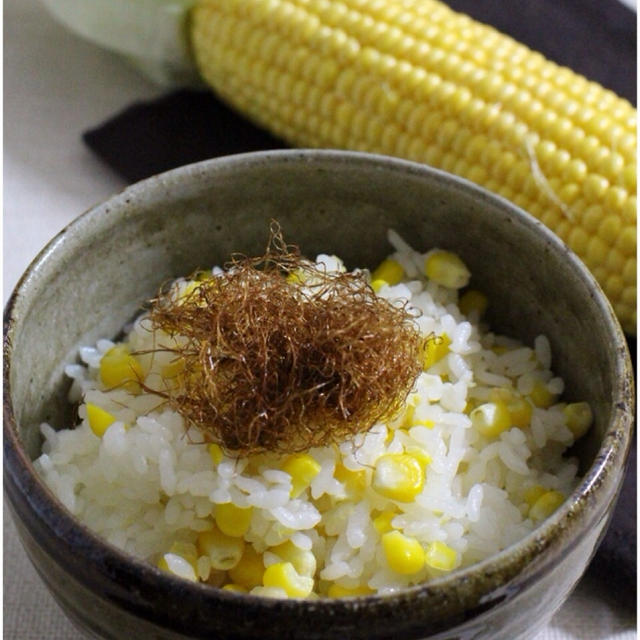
pixel 596 38
pixel 182 127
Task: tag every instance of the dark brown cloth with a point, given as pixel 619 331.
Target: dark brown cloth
pixel 596 38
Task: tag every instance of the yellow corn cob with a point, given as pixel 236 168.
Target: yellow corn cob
pixel 414 79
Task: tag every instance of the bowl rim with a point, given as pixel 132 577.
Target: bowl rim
pixel 612 454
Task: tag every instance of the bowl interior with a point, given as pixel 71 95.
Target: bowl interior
pixel 93 278
pixel 95 275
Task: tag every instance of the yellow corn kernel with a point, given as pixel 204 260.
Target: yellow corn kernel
pixel 376 285
pixel 224 551
pixel 491 418
pixel 398 476
pixel 578 416
pixel 173 369
pixel 236 588
pixel 249 569
pixel 505 394
pixel 303 469
pixel 441 556
pixel 434 348
pixel 532 494
pixel 284 576
pixel 382 522
pixel 233 521
pixel 404 554
pixel 545 505
pixel 338 591
pixel 216 453
pixel 541 396
pixel 424 423
pixel 520 410
pixel 99 419
pixel 118 368
pixel 202 275
pixel 354 482
pixel 409 411
pixel 388 270
pixel 187 290
pixel 303 561
pixel 419 453
pixel 447 91
pixel 447 269
pixel 391 434
pixel 297 276
pixel 472 300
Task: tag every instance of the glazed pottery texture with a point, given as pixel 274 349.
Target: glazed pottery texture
pixel 92 278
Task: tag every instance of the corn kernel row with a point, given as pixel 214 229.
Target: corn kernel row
pixel 419 81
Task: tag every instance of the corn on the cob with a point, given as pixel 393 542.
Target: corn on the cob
pixel 414 79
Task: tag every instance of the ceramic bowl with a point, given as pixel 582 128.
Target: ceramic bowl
pixel 94 275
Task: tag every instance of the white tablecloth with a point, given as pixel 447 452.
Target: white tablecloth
pixel 57 86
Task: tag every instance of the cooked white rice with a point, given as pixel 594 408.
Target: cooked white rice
pixel 148 486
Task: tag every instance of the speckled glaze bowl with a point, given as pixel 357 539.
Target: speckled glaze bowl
pixel 93 277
